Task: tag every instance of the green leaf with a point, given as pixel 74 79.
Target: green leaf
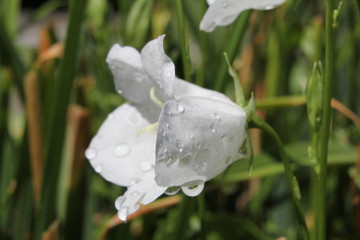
pixel 263 166
pixel 57 115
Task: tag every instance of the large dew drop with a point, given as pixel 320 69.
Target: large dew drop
pixel 119 202
pixel 172 190
pixel 193 191
pixel 180 108
pixel 123 213
pixel 121 150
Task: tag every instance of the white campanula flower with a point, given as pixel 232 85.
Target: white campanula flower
pixel 224 12
pixel 172 134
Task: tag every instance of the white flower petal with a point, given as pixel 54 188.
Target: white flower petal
pixel 159 67
pixel 125 158
pixel 224 12
pixel 183 89
pixel 143 192
pixel 197 139
pixel 131 81
pixel 117 152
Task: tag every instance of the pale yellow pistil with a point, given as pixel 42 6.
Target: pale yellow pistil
pixel 152 128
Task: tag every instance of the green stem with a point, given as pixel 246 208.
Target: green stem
pixel 185 55
pixel 184 212
pixel 326 117
pixel 315 178
pixel 280 102
pixel 294 187
pixel 201 209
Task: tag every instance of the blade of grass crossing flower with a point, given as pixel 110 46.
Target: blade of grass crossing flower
pixel 231 47
pixel 55 128
pixel 326 118
pixel 294 187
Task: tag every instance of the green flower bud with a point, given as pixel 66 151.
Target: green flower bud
pixel 314 96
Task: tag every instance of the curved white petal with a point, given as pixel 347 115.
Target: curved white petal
pixel 122 156
pixel 159 67
pixel 143 192
pixel 183 89
pixel 224 12
pixel 197 139
pixel 130 79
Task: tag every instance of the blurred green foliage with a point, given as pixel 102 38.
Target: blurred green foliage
pixel 272 52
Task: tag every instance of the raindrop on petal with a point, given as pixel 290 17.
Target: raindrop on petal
pixel 268 7
pixel 163 132
pixel 134 194
pixel 179 145
pixel 168 74
pixel 135 181
pixel 180 108
pixel 123 213
pixel 172 190
pixel 134 118
pixel 138 78
pixel 217 116
pixel 228 160
pixel 223 136
pixel 90 153
pixel 119 202
pixel 121 150
pixel 119 91
pixel 225 4
pixel 185 161
pixel 110 116
pixel 98 168
pixel 193 191
pixel 145 166
pixel 212 127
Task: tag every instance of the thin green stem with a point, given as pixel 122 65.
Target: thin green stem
pixel 326 117
pixel 294 187
pixel 201 209
pixel 280 102
pixel 185 54
pixel 184 211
